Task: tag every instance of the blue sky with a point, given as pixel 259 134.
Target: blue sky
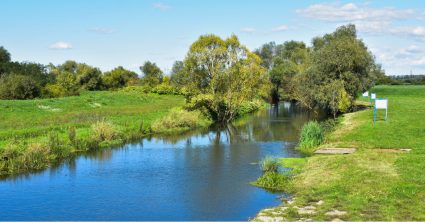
pixel 107 33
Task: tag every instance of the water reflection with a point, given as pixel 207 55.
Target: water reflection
pixel 197 175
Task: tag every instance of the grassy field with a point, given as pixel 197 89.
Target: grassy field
pixel 369 184
pixel 34 133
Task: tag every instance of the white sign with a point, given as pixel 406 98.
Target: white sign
pixel 373 95
pixel 381 104
pixel 366 94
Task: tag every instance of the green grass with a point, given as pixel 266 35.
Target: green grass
pixel 79 123
pixel 310 138
pixel 370 184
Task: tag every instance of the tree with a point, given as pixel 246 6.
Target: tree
pixel 341 67
pixel 223 75
pixel 18 87
pixel 267 53
pixel 119 77
pixel 152 74
pixel 4 59
pixel 177 75
pixel 88 77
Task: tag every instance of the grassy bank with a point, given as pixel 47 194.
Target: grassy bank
pixel 37 133
pixel 370 184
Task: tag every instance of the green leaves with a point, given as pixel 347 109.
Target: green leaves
pixel 226 72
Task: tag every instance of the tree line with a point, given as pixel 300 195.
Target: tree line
pixel 221 77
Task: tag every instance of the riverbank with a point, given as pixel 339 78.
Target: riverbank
pixel 37 133
pixel 374 183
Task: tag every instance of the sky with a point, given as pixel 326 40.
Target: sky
pixel 109 33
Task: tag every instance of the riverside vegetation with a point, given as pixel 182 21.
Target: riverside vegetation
pixel 56 111
pixel 374 183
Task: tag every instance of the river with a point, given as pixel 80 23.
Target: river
pixel 199 175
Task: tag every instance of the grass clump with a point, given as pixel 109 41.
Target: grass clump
pixel 311 137
pixel 103 131
pixel 273 181
pixel 180 120
pixel 269 165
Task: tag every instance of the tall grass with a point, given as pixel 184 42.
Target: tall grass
pixel 269 165
pixel 311 137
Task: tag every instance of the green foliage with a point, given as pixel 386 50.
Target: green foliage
pixel 250 107
pixel 153 75
pixel 165 88
pixel 18 87
pixel 311 137
pixel 178 77
pixel 269 165
pixel 118 78
pixel 223 74
pixel 341 67
pixel 180 120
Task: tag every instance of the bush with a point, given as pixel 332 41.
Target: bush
pixel 249 107
pixel 18 87
pixel 137 89
pixel 103 131
pixel 269 165
pixel 164 88
pixel 311 137
pixel 179 120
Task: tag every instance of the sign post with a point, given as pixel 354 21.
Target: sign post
pixel 365 94
pixel 380 104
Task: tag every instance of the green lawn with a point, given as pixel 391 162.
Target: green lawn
pixel 26 122
pixel 369 184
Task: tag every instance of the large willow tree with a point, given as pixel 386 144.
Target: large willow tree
pixel 222 75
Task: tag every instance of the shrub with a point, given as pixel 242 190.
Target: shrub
pixel 103 131
pixel 18 87
pixel 249 107
pixel 164 88
pixel 269 165
pixel 178 120
pixel 137 89
pixel 311 137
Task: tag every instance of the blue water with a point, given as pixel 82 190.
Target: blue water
pixel 201 175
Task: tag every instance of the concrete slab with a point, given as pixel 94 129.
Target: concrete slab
pixel 394 150
pixel 333 151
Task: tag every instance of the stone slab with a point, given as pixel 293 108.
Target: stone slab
pixel 333 151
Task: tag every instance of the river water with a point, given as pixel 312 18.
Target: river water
pixel 200 175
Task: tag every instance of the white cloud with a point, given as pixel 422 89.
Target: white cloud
pixel 280 28
pixel 61 45
pixel 421 17
pixel 101 30
pixel 161 6
pixel 419 61
pixel 248 30
pixel 352 12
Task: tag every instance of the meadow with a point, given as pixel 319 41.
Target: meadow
pixel 373 183
pixel 36 133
